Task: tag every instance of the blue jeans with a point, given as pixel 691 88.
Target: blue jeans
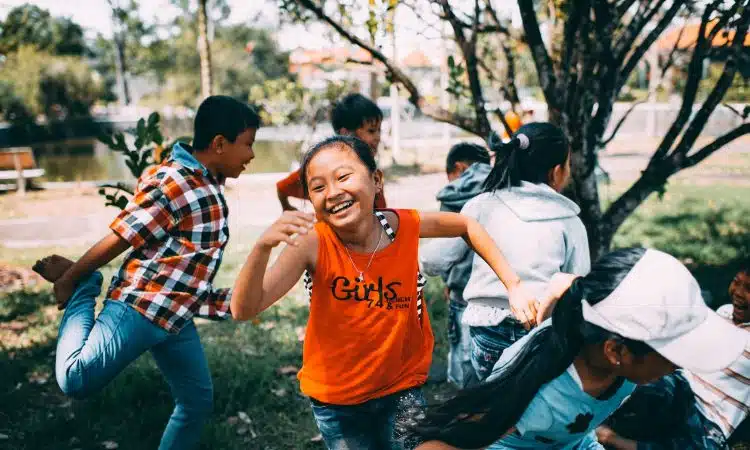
pixel 91 352
pixel 373 425
pixel 460 369
pixel 488 344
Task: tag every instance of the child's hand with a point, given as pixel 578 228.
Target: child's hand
pixel 557 286
pixel 290 223
pixel 523 305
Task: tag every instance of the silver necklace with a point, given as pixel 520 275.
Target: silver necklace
pixel 361 276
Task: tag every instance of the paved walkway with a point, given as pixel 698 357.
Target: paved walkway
pixel 71 214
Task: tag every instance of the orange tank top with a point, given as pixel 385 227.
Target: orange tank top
pixel 369 339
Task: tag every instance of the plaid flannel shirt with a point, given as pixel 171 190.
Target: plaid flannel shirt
pixel 177 226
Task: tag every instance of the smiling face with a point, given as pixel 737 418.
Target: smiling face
pixel 341 187
pixel 233 157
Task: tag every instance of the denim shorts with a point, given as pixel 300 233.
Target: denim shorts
pixel 377 424
pixel 461 373
pixel 488 343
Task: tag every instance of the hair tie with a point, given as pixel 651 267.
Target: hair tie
pixel 523 141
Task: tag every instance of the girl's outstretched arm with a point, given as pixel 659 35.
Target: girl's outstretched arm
pixel 257 288
pixel 444 224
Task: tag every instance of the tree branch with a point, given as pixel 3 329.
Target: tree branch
pixel 624 117
pixel 743 115
pixel 639 21
pixel 468 49
pixel 397 75
pixel 695 72
pixel 648 41
pixel 511 91
pixel 542 61
pixel 719 142
pixel 717 93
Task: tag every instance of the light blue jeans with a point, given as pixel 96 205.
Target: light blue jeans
pixel 374 425
pixel 461 372
pixel 91 352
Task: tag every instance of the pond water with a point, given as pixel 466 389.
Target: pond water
pixel 90 160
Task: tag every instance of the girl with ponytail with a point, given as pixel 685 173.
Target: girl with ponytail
pixel 637 316
pixel 536 228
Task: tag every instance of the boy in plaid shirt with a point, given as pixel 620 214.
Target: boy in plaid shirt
pixel 176 224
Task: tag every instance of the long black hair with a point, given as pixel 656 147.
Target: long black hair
pixel 361 149
pixel 534 150
pixel 479 416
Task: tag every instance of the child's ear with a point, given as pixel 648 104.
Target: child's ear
pixel 614 352
pixel 378 177
pixel 217 144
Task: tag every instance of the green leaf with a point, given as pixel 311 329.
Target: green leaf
pixel 138 143
pixel 153 119
pixel 101 191
pixel 158 138
pixel 140 128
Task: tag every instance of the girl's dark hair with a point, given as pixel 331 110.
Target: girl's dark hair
pixel 222 115
pixel 479 416
pixel 361 149
pixel 466 152
pixel 547 148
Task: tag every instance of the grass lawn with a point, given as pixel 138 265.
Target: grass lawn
pixel 257 404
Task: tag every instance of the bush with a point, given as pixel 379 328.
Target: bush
pixel 57 87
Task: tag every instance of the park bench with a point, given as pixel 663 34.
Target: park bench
pixel 19 164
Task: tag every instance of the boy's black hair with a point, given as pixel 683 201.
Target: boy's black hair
pixel 545 147
pixel 222 115
pixel 359 148
pixel 479 416
pixel 352 111
pixel 466 152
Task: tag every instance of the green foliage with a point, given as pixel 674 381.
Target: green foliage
pixel 30 25
pixel 12 107
pixel 57 87
pixel 457 86
pixel 148 148
pixel 283 101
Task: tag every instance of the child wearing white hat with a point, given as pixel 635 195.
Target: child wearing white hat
pixel 636 317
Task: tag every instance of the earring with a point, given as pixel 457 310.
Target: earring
pixel 617 363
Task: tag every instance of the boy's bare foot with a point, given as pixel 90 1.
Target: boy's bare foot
pixel 52 267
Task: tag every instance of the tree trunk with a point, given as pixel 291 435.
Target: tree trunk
pixel 121 69
pixel 204 49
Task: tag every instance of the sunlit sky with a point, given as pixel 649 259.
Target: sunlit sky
pixel 94 17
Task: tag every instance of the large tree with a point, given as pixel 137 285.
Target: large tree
pixel 30 25
pixel 591 50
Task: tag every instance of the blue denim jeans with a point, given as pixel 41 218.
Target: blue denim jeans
pixel 488 343
pixel 460 369
pixel 663 416
pixel 91 352
pixel 372 425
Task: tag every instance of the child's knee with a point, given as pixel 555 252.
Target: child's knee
pixel 200 404
pixel 71 383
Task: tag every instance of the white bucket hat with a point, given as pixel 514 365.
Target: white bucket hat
pixel 660 303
